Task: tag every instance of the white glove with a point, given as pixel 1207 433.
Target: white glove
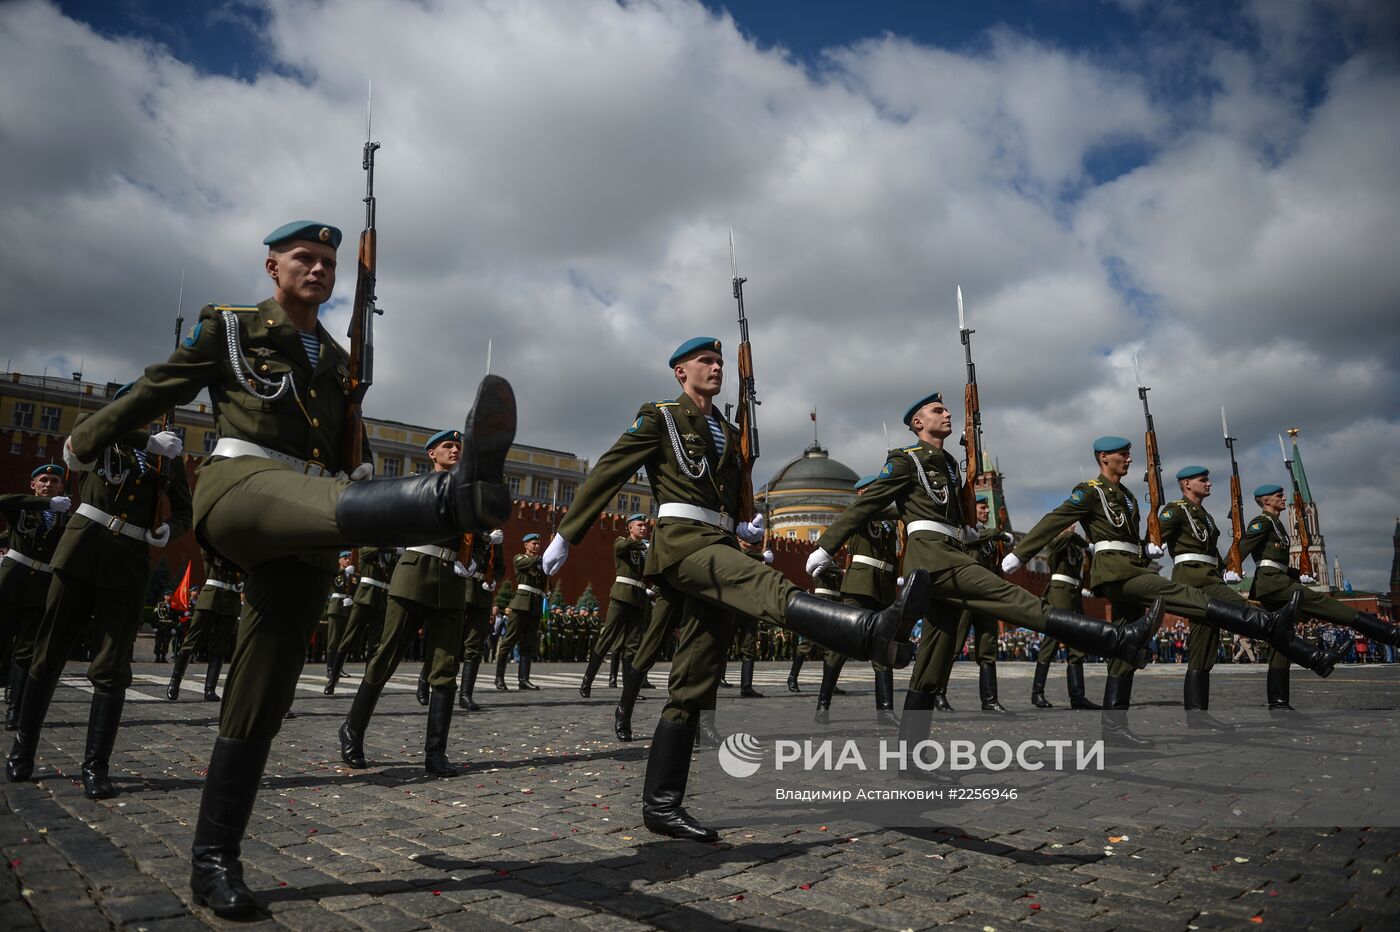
pixel 70 459
pixel 1307 580
pixel 497 536
pixel 460 569
pixel 159 537
pixel 767 556
pixel 60 503
pixel 350 569
pixel 347 601
pixel 817 560
pixel 1086 593
pixel 555 555
pixel 488 587
pixel 1008 537
pixel 400 550
pixel 1231 576
pixel 362 472
pixel 1154 551
pixel 899 582
pixel 751 531
pixel 165 443
pixel 651 593
pixel 1010 563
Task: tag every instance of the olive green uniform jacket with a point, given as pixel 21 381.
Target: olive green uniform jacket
pixel 29 534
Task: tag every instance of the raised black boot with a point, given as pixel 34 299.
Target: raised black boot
pixel 668 767
pixel 352 730
pixel 1274 628
pixel 19 674
pixel 746 689
pixel 470 497
pixel 862 634
pixel 177 674
pixel 501 661
pixel 19 766
pixel 104 718
pixel 590 672
pixel 1074 681
pixel 1277 690
pixel 230 789
pixel 1319 660
pixel 435 762
pixel 522 673
pixel 211 679
pixel 612 671
pixel 464 696
pixel 797 660
pixel 884 698
pixel 421 693
pixel 1117 698
pixel 1042 670
pixel 1374 628
pixel 824 692
pixel 939 698
pixel 334 667
pixel 1093 636
pixel 987 687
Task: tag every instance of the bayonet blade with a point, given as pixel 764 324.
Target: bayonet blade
pixel 1224 426
pixel 733 262
pixel 488 355
pixel 962 321
pixel 1282 449
pixel 1137 370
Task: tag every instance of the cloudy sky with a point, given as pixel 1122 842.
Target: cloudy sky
pixel 1213 187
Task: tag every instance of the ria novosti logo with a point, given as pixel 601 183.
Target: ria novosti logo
pixel 741 755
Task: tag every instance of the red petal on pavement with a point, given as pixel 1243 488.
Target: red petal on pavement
pixel 805 886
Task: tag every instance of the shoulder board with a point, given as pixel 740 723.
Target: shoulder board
pixel 665 404
pixel 913 449
pixel 1095 483
pixel 1179 501
pixel 237 308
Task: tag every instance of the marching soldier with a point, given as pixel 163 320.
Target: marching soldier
pixel 486 553
pixel 690 452
pixel 525 608
pixel 163 625
pixel 36 525
pixel 338 604
pixel 215 621
pixel 628 605
pixel 270 501
pixel 101 566
pixel 1065 591
pixel 364 626
pixel 1267 541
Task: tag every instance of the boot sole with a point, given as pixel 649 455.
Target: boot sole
pixel 490 429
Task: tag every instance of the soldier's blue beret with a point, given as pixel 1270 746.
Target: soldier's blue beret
pixel 1191 472
pixel 345 554
pixel 636 517
pixel 914 408
pixel 307 230
pixel 863 481
pixel 442 435
pixel 529 537
pixel 1268 488
pixel 691 347
pixel 122 391
pixel 49 469
pixel 1111 444
pixel 984 497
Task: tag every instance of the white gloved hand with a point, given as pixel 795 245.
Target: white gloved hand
pixel 555 555
pixel 767 556
pixel 1231 576
pixel 817 560
pixel 347 601
pixel 899 582
pixel 1307 580
pixel 651 593
pixel 1010 563
pixel 400 550
pixel 488 587
pixel 460 569
pixel 751 531
pixel 497 536
pixel 60 503
pixel 1008 537
pixel 362 472
pixel 1086 593
pixel 1154 551
pixel 165 443
pixel 70 459
pixel 159 537
pixel 349 569
pixel 970 534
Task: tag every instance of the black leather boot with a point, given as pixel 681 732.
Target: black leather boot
pixel 724 677
pixel 1319 660
pixel 464 696
pixel 523 673
pixel 421 693
pixel 1195 700
pixel 1042 670
pixel 612 671
pixel 19 674
pixel 590 672
pixel 987 687
pixel 501 661
pixel 824 692
pixel 918 717
pixel 470 497
pixel 746 689
pixel 352 730
pixel 797 660
pixel 1275 628
pixel 19 766
pixel 1374 628
pixel 862 634
pixel 104 718
pixel 1074 681
pixel 1093 636
pixel 333 671
pixel 211 679
pixel 177 674
pixel 631 689
pixel 435 762
pixel 884 698
pixel 1277 690
pixel 1117 698
pixel 706 734
pixel 668 766
pixel 230 789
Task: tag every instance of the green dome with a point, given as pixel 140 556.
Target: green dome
pixel 814 469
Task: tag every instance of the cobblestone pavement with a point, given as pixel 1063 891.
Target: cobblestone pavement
pixel 543 830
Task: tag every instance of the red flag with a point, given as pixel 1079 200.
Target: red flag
pixel 180 601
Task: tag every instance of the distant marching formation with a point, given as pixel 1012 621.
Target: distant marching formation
pixel 283 502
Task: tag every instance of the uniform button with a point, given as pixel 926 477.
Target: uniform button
pixel 312 393
pixel 271 322
pixel 123 516
pixel 263 367
pixel 131 498
pixel 315 451
pixel 315 422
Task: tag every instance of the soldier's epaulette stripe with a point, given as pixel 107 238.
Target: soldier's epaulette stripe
pixel 912 449
pixel 666 404
pixel 246 308
pixel 1093 482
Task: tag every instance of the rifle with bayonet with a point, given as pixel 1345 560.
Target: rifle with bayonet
pixel 156 463
pixel 1233 561
pixel 1300 516
pixel 361 333
pixel 1153 478
pixel 747 422
pixel 972 421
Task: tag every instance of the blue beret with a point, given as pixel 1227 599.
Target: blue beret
pixel 1111 444
pixel 913 409
pixel 345 554
pixel 307 230
pixel 863 481
pixel 692 346
pixel 984 497
pixel 442 435
pixel 122 391
pixel 529 537
pixel 1267 488
pixel 1191 472
pixel 636 517
pixel 49 469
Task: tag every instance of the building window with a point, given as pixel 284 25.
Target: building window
pixel 41 451
pixel 392 464
pixel 210 438
pixel 568 494
pixel 814 535
pixel 179 432
pixel 16 449
pixel 24 414
pixel 513 483
pixel 542 487
pixel 622 502
pixel 792 535
pixel 636 504
pixel 420 468
pixel 49 420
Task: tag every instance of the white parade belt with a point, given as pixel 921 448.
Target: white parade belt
pixel 365 580
pixel 115 525
pixel 630 581
pixel 938 527
pixel 217 584
pixel 831 592
pixel 521 587
pixel 432 550
pixel 1274 565
pixel 1117 546
pixel 1196 558
pixel 696 513
pixel 30 562
pixel 232 447
pixel 871 561
pixel 1061 577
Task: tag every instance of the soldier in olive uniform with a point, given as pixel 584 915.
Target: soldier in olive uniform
pixel 1267 541
pixel 1108 512
pixel 364 626
pixel 338 605
pixel 101 566
pixel 746 638
pixel 1066 592
pixel 691 455
pixel 487 554
pixel 923 481
pixel 36 524
pixel 986 631
pixel 163 625
pixel 270 501
pixel 525 608
pixel 212 629
pixel 428 591
pixel 628 605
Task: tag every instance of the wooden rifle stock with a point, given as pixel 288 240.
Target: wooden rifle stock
pixel 1300 517
pixel 1154 490
pixel 1233 561
pixel 972 442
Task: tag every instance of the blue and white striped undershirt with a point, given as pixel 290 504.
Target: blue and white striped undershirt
pixel 312 343
pixel 716 432
pixel 140 460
